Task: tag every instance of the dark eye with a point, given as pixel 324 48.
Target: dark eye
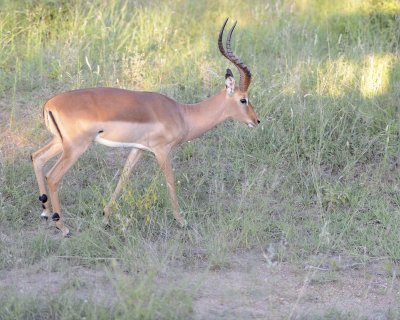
pixel 243 100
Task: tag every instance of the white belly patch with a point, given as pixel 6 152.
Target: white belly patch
pixel 113 144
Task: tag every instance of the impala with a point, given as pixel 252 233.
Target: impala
pixel 143 121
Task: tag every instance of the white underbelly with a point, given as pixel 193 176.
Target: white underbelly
pixel 113 144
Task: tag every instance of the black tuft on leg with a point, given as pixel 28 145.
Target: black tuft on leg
pixel 43 198
pixel 55 217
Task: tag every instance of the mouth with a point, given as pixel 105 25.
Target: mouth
pixel 253 124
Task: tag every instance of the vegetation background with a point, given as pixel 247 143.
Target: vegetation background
pixel 316 184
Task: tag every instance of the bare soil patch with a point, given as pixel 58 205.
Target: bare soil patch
pixel 255 289
pixel 250 288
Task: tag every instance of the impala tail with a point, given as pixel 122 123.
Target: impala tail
pixel 50 122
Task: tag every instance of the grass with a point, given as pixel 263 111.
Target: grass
pixel 320 173
pixel 137 302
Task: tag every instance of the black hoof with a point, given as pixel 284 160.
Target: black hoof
pixel 192 230
pixel 68 235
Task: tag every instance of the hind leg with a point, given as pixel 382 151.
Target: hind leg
pixel 39 159
pixel 69 156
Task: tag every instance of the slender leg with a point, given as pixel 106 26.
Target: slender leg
pixel 165 164
pixel 39 159
pixel 130 163
pixel 54 176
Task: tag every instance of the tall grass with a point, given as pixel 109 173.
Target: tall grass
pixel 320 174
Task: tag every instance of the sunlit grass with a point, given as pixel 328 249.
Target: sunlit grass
pixel 326 8
pixel 336 78
pixel 372 75
pixel 375 78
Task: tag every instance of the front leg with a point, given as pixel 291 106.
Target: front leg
pixel 130 163
pixel 165 165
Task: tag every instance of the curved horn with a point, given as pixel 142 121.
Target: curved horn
pixel 220 45
pixel 245 74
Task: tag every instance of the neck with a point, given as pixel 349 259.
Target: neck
pixel 205 115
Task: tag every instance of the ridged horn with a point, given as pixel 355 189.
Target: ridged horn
pixel 244 71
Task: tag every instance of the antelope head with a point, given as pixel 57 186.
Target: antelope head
pixel 237 96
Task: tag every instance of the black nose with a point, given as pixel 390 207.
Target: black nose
pixel 258 121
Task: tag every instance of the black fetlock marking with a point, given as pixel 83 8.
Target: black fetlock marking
pixel 44 218
pixel 43 198
pixel 31 158
pixel 103 213
pixel 55 217
pixel 43 207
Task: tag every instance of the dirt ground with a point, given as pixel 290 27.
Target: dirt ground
pixel 251 287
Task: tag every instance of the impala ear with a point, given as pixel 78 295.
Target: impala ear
pixel 228 73
pixel 229 82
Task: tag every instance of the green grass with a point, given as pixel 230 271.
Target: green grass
pixel 137 301
pixel 318 172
